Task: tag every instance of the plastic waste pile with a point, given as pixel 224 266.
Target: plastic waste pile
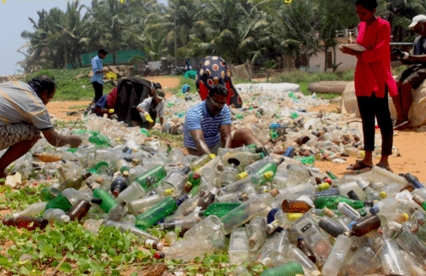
pixel 275 207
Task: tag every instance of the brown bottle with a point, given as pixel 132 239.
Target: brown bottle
pixel 79 210
pixel 295 206
pixel 30 223
pixel 48 157
pixel 148 243
pixel 301 244
pixel 208 199
pixel 364 225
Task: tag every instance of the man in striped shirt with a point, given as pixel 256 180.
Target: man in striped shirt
pixel 23 115
pixel 208 126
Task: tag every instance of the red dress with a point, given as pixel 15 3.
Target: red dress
pixel 373 70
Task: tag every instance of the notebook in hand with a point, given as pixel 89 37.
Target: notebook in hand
pixel 354 46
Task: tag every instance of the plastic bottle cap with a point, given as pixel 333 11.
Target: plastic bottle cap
pixel 374 210
pixel 268 174
pixel 169 192
pixel 242 175
pixel 212 155
pixel 323 186
pixel 351 224
pixel 125 173
pixel 111 110
pixel 406 217
pixel 382 195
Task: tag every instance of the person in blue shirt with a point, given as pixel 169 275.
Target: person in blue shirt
pixel 98 74
pixel 207 126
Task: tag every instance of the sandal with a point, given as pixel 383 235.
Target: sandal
pixel 359 165
pixel 384 167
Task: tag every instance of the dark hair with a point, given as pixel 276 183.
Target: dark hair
pixel 218 89
pixel 368 4
pixel 102 52
pixel 42 83
pixel 157 86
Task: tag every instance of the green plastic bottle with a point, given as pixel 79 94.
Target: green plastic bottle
pixel 270 166
pixel 331 175
pixel 60 202
pixel 156 213
pixel 288 269
pixel 151 177
pixel 220 209
pixel 107 201
pixel 331 202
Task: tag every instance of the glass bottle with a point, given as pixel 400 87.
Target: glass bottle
pixel 331 226
pixel 270 166
pixel 151 177
pixel 313 237
pixel 304 248
pixel 288 269
pixel 208 199
pixel 295 206
pixel 200 162
pixel 360 262
pixel 119 184
pixel 413 181
pixel 364 225
pixel 246 211
pixel 124 227
pixel 419 200
pixel 391 260
pixel 337 256
pixel 220 209
pixel 32 209
pixel 409 242
pixel 79 210
pixel 331 202
pixel 74 182
pixel 294 254
pixel 141 205
pixel 107 201
pixel 117 212
pixel 60 202
pixel 56 215
pixel 256 232
pixel 30 223
pixel 47 157
pixel 238 247
pixel 156 213
pixel 49 193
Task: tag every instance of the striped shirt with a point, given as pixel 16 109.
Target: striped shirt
pixel 199 118
pixel 19 103
pixel 97 66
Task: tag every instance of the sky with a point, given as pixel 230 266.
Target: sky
pixel 14 16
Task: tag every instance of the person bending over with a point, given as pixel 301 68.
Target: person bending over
pixel 207 126
pixel 23 115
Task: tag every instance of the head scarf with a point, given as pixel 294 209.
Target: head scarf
pixel 213 70
pixel 112 97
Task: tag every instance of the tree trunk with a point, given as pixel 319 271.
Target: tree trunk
pixel 326 58
pixel 334 58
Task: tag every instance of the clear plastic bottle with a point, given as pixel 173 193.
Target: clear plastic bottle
pixel 409 242
pixel 200 162
pixel 391 260
pixel 360 262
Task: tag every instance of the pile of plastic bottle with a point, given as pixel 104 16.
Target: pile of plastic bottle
pixel 291 217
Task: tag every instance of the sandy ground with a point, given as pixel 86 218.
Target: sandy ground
pixel 410 144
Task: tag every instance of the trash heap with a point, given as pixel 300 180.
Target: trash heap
pixel 276 208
